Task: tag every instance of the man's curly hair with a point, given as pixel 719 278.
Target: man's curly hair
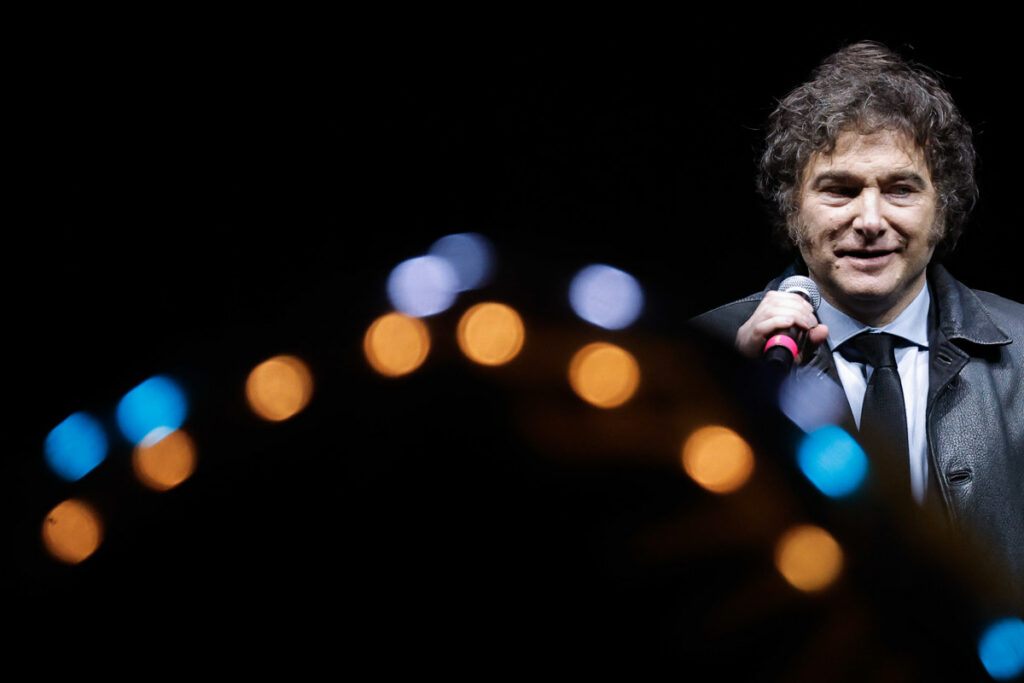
pixel 865 88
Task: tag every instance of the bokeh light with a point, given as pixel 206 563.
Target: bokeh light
pixel 75 447
pixel 157 402
pixel 1001 649
pixel 606 296
pixel 833 461
pixel 396 344
pixel 279 388
pixel 72 531
pixel 718 459
pixel 808 558
pixel 812 400
pixel 164 459
pixel 423 286
pixel 470 255
pixel 490 333
pixel 604 374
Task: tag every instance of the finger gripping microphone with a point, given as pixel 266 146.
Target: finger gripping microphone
pixel 782 347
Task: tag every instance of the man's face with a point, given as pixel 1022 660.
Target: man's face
pixel 867 223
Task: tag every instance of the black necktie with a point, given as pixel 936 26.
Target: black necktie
pixel 883 421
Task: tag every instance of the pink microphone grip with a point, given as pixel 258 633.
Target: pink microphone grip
pixel 782 340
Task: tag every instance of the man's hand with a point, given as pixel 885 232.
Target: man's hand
pixel 779 311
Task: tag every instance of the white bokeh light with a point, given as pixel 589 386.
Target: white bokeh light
pixel 812 400
pixel 422 286
pixel 470 255
pixel 606 296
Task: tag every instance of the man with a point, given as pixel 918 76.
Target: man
pixel 871 168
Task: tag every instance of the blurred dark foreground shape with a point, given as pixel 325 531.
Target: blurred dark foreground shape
pixel 466 517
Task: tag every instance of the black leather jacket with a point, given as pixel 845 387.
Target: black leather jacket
pixel 975 409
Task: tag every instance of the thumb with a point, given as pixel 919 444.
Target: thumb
pixel 817 334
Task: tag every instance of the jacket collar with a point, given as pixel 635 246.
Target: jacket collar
pixel 961 314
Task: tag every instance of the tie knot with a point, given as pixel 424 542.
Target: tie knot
pixel 876 349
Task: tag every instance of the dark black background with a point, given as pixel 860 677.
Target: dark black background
pixel 196 198
pixel 180 185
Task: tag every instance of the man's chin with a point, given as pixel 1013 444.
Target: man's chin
pixel 867 286
pixel 859 293
pixel 867 294
pixel 869 298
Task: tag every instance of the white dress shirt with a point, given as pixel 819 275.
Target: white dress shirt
pixel 911 361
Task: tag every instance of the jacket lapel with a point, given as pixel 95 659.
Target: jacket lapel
pixel 957 322
pixel 958 328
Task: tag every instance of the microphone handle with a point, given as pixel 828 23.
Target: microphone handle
pixel 781 354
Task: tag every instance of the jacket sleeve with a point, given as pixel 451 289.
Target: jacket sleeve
pixel 723 322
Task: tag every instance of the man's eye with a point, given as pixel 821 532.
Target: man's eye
pixel 902 191
pixel 842 191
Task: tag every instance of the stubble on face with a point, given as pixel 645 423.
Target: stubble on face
pixel 867 223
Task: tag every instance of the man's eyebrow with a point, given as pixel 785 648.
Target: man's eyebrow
pixel 846 178
pixel 908 177
pixel 841 177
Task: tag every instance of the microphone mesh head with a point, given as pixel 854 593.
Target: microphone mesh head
pixel 798 284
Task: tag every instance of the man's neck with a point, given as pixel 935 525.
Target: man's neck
pixel 911 324
pixel 875 313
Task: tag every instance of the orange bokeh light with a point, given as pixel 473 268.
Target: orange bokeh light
pixel 490 333
pixel 718 459
pixel 163 464
pixel 279 388
pixel 808 557
pixel 72 531
pixel 604 374
pixel 396 344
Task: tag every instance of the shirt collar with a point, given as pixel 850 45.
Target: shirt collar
pixel 911 324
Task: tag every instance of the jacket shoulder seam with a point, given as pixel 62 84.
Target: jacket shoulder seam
pixel 745 300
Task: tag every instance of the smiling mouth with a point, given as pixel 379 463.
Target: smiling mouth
pixel 865 254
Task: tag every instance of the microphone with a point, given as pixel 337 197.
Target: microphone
pixel 782 347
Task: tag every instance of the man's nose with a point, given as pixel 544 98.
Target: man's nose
pixel 868 220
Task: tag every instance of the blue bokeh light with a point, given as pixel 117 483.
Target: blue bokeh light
pixel 470 255
pixel 423 286
pixel 833 461
pixel 606 296
pixel 75 447
pixel 157 402
pixel 1001 648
